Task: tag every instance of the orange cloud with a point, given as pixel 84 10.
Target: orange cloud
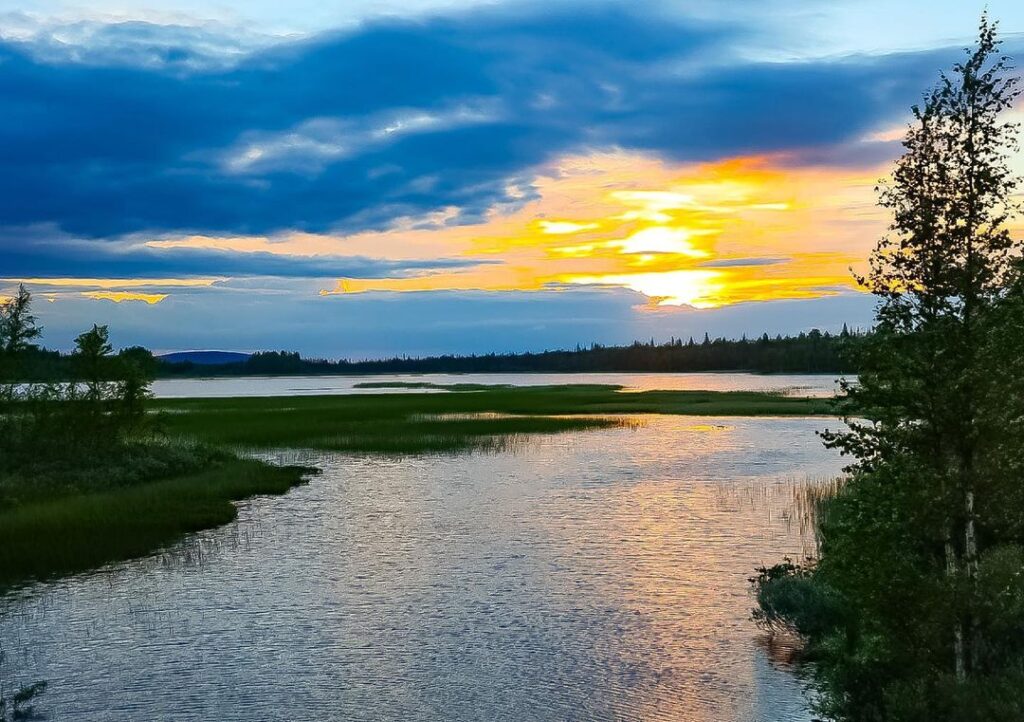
pixel 745 229
pixel 701 235
pixel 110 289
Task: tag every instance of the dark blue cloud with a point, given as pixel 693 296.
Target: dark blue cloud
pixel 26 255
pixel 310 135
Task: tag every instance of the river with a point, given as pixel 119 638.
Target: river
pixel 797 384
pixel 599 575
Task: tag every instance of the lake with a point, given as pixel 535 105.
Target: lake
pixel 820 385
pixel 595 575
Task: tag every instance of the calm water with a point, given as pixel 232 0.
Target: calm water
pixel 598 575
pixel 800 384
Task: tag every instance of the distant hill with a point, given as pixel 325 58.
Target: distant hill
pixel 205 358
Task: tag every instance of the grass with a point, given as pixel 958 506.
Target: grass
pixel 429 385
pixel 77 532
pixel 468 417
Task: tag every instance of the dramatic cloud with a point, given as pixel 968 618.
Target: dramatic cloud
pixel 647 161
pixel 399 118
pixel 32 253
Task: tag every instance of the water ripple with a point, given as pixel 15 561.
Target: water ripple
pixel 598 576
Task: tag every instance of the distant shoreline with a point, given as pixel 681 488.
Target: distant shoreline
pixel 808 353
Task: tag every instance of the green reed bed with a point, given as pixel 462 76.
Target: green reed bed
pixel 79 531
pixel 464 417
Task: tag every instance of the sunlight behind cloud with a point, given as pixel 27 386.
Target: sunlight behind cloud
pixel 698 235
pixel 698 289
pixel 662 239
pixel 556 228
pixel 703 236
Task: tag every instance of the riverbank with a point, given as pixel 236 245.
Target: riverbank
pixel 598 559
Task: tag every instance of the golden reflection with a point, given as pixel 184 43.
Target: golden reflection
pixel 671 551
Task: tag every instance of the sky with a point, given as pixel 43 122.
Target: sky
pixel 367 179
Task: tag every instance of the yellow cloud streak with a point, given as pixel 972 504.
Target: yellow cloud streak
pixel 120 296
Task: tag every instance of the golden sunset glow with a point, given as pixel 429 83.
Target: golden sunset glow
pixel 746 229
pixel 118 290
pixel 700 235
pixel 700 289
pixel 121 296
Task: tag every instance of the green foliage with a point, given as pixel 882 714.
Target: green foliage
pixel 922 546
pixel 79 531
pixel 18 706
pixel 84 476
pixel 49 477
pixel 789 600
pixel 77 420
pixel 17 324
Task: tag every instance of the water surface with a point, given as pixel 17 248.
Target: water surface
pixel 597 575
pixel 799 384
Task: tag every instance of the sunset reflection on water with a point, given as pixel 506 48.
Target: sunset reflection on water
pixel 596 575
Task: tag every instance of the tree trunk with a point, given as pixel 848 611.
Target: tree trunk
pixel 971 566
pixel 959 659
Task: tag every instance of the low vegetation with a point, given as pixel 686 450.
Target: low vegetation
pixel 79 531
pixel 87 475
pixel 93 470
pixel 465 417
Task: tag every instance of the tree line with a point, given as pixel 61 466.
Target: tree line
pixel 83 427
pixel 812 352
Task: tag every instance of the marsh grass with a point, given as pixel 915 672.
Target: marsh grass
pixel 810 508
pixel 81 531
pixel 463 419
pixel 807 507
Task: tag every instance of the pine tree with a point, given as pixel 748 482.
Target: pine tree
pixel 18 326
